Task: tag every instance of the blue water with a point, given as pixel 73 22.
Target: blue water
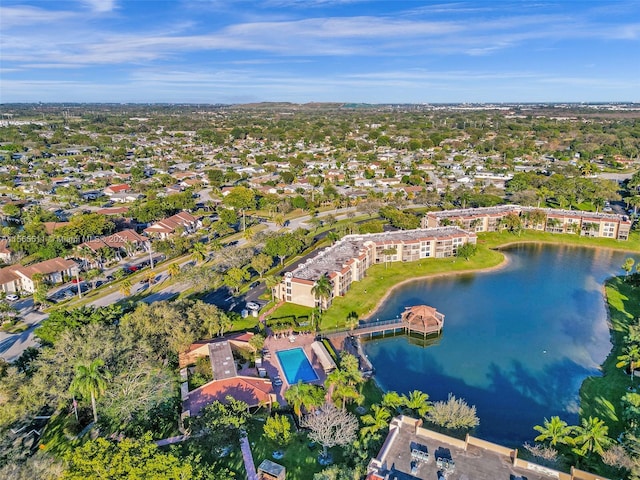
pixel 296 366
pixel 517 342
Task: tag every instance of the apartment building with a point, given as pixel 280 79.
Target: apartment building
pixel 348 260
pixel 488 219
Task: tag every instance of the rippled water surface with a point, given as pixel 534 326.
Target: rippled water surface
pixel 517 342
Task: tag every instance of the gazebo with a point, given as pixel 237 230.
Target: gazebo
pixel 423 319
pixel 269 470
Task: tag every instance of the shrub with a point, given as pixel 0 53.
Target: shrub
pixel 453 414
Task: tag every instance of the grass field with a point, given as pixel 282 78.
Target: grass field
pixel 600 396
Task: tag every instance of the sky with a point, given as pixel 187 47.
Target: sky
pixel 242 51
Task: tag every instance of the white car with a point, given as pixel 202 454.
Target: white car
pixel 253 306
pixel 12 297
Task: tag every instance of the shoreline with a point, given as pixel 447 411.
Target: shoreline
pixel 503 264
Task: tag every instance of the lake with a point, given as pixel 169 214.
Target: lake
pixel 517 342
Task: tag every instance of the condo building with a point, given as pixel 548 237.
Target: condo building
pixel 347 260
pixel 490 219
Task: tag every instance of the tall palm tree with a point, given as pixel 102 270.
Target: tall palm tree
pixel 591 436
pixel 392 400
pixel 631 359
pixel 387 252
pixel 270 282
pixel 198 252
pixel 322 290
pixel 173 270
pixel 554 431
pixel 125 287
pixel 377 420
pixel 91 381
pixel 303 395
pixel 418 402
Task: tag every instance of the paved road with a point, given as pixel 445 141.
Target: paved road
pixel 12 346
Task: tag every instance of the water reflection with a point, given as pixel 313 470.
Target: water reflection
pixel 517 342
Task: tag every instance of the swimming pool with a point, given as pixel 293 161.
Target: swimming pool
pixel 296 366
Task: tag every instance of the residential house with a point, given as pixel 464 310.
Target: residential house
pixel 126 241
pixel 17 278
pixel 167 227
pixel 119 188
pixel 6 254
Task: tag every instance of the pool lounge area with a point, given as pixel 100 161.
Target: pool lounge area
pixel 296 366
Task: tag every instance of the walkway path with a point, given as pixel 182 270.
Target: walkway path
pixel 249 466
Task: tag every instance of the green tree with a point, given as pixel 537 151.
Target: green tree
pixel 242 199
pixel 466 251
pixel 198 252
pixel 173 270
pixel 261 263
pixel 387 252
pixel 271 282
pixel 91 381
pixel 125 287
pixel 322 290
pixel 630 359
pixel 303 395
pixel 591 436
pixel 417 402
pixel 235 277
pixel 627 266
pixel 554 431
pixel 377 420
pixel 278 430
pixel 126 459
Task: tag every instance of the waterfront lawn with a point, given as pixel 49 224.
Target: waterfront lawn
pixel 300 461
pixel 498 239
pixel 291 310
pixel 363 297
pixel 600 396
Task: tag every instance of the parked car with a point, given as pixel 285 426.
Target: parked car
pixel 253 306
pixel 12 297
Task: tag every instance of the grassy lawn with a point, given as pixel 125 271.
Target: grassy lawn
pixel 300 461
pixel 291 310
pixel 600 396
pixel 364 296
pixel 497 239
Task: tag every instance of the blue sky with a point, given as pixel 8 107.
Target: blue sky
pixel 238 51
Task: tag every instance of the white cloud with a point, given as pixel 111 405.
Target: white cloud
pixel 100 6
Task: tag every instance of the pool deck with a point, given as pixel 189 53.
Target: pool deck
pixel 282 342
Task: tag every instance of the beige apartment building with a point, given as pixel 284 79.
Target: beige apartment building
pixel 488 219
pixel 347 260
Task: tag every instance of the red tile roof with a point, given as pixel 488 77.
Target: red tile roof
pixel 251 390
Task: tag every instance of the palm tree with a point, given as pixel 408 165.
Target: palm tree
pixel 173 270
pixel 630 359
pixel 387 252
pixel 91 380
pixel 591 436
pixel 322 290
pixel 198 252
pixel 627 266
pixel 271 282
pixel 150 277
pixel 554 431
pixel 418 402
pixel 375 421
pixel 333 237
pixel 341 388
pixel 392 400
pixel 125 287
pixel 303 395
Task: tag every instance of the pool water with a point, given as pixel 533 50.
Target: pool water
pixel 296 366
